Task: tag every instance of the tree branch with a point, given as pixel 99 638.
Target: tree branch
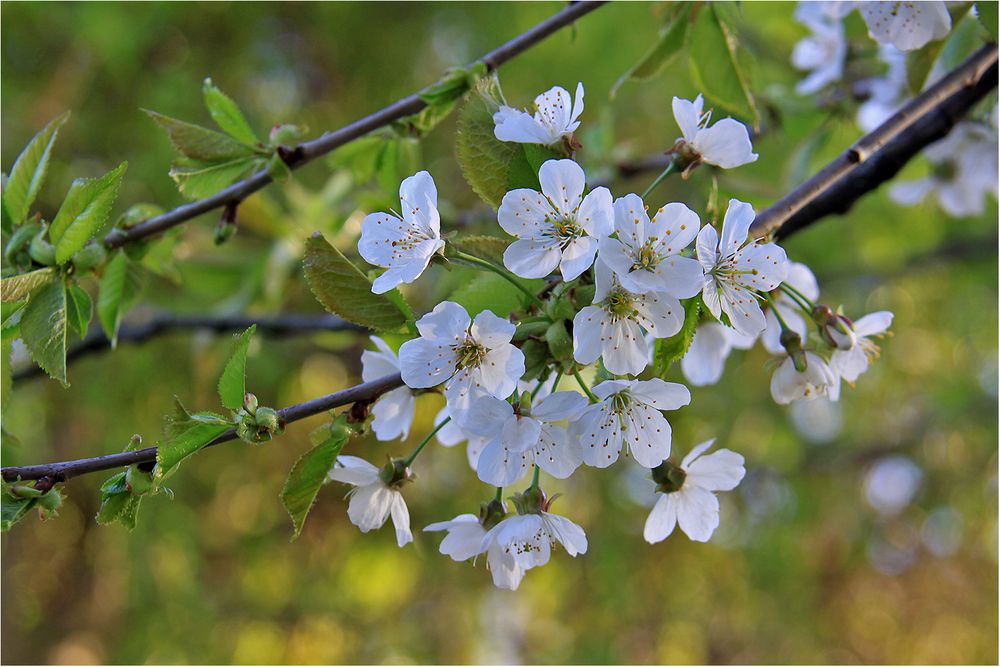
pixel 62 471
pixel 140 331
pixel 879 155
pixel 310 150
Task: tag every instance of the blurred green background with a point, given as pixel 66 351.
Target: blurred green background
pixel 865 531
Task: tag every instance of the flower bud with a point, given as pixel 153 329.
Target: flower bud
pixel 250 403
pixel 246 430
pixel 669 477
pixel 792 342
pixel 24 491
pixel 269 420
pixel 48 503
pixel 836 329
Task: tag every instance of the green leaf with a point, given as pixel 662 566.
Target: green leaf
pixel 84 212
pixel 227 115
pixel 987 12
pixel 670 350
pixel 232 382
pixel 197 181
pixel 114 497
pixel 200 143
pixel 488 291
pixel 485 160
pixel 920 62
pixel 184 434
pixel 485 247
pixel 13 509
pixel 663 52
pixel 43 329
pixel 28 172
pixel 119 288
pixel 20 287
pixel 309 473
pixel 360 156
pixel 79 309
pixel 715 65
pixel 344 290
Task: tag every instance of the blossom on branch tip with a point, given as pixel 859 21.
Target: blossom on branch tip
pixel 629 415
pixel 464 539
pixel 908 25
pixel 393 411
pixel 403 245
pixel 373 498
pixel 851 363
pixel 645 256
pixel 736 270
pixel 521 542
pixel 687 493
pixel 725 144
pixel 557 227
pixel 556 116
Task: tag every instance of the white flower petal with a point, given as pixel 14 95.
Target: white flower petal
pixel 726 144
pixel 570 535
pixel 558 406
pixel 705 359
pixel 697 512
pixel 447 322
pixel 556 453
pixel 563 182
pixel 624 347
pixel 491 330
pixel 533 258
pixel 587 327
pixel 596 215
pixel 353 470
pixel 719 471
pixel 393 414
pixel 577 257
pixel 662 519
pixel 873 323
pixel 418 200
pixel 648 435
pixel 369 506
pixel 523 213
pixel 424 363
pixel 401 519
pixel 661 394
pixel 688 115
pixel 735 227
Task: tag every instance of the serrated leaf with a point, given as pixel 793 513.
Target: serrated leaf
pixel 672 349
pixel 79 309
pixel 662 53
pixel 43 329
pixel 17 288
pixel 485 247
pixel 488 291
pixel 227 115
pixel 344 290
pixel 484 159
pixel 200 143
pixel 13 509
pixel 84 212
pixel 202 180
pixel 232 382
pixel 119 288
pixel 715 65
pixel 28 173
pixel 184 434
pixel 988 17
pixel 309 473
pixel 10 319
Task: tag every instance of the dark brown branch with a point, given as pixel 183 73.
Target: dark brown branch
pixel 64 470
pixel 140 331
pixel 310 150
pixel 879 155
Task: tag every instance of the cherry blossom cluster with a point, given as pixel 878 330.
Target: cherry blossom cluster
pixel 622 277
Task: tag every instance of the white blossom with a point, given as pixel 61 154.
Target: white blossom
pixel 705 359
pixel 851 363
pixel 464 539
pixel 554 118
pixel 403 245
pixel 558 226
pixel 612 328
pixel 452 434
pixel 393 411
pixel 823 52
pixel 887 93
pixel 907 25
pixel 964 171
pixel 645 256
pixel 629 416
pixel 725 144
pixel 372 501
pixel 736 270
pixel 519 438
pixel 521 542
pixel 469 357
pixel 800 277
pixel 694 505
pixel 818 379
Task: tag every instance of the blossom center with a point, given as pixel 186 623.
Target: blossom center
pixel 470 353
pixel 620 304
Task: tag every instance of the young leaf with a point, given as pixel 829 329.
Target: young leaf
pixel 119 288
pixel 184 434
pixel 484 159
pixel 43 329
pixel 200 143
pixel 79 309
pixel 485 247
pixel 28 172
pixel 115 497
pixel 13 509
pixel 200 180
pixel 670 350
pixel 663 52
pixel 488 291
pixel 227 115
pixel 309 473
pixel 232 382
pixel 84 212
pixel 20 287
pixel 344 290
pixel 986 10
pixel 715 66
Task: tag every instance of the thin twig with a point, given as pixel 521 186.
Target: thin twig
pixel 310 150
pixel 140 331
pixel 64 470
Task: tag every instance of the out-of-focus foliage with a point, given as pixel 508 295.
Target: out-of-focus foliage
pixel 818 559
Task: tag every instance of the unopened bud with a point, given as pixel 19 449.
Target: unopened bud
pixel 669 477
pixel 42 251
pixel 792 342
pixel 250 403
pixel 836 329
pixel 269 420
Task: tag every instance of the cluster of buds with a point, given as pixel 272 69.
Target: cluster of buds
pixel 257 424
